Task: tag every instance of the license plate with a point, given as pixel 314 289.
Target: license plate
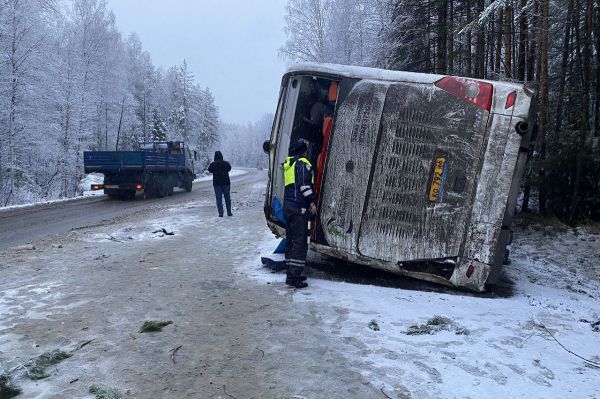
pixel 111 186
pixel 437 180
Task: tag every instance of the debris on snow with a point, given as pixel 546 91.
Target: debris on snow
pixel 435 325
pixel 154 325
pixel 164 231
pixel 173 352
pixel 588 362
pixel 35 368
pixel 7 388
pixel 105 393
pixel 373 325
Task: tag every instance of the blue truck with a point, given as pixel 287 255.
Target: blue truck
pixel 156 169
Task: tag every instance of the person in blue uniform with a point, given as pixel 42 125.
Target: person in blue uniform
pixel 298 204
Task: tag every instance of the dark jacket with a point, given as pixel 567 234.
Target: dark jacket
pixel 220 170
pixel 299 194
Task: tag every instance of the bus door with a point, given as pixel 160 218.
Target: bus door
pixel 305 113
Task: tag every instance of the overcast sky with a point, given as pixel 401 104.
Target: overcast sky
pixel 231 46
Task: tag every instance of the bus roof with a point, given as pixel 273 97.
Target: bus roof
pixel 357 72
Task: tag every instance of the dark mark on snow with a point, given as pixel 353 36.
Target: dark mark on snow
pixel 154 325
pixel 164 231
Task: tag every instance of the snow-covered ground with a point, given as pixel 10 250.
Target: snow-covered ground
pixel 494 347
pixel 246 333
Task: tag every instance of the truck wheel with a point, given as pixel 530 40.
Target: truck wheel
pixel 149 191
pixel 188 185
pixel 161 190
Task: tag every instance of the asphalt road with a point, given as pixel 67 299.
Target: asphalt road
pixel 23 225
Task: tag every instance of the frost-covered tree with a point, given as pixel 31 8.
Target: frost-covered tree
pixel 242 144
pixel 208 134
pixel 69 82
pixel 337 31
pixel 23 44
pixel 159 129
pixel 192 113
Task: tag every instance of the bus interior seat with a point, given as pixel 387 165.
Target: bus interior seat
pixel 332 93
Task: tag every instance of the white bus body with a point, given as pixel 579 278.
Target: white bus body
pixel 417 174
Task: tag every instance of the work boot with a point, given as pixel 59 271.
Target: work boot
pixel 296 282
pixel 290 280
pixel 300 284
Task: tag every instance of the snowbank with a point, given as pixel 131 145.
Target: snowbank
pixel 85 185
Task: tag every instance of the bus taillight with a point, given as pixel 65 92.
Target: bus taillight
pixel 472 91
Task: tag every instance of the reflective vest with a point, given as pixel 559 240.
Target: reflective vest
pixel 289 170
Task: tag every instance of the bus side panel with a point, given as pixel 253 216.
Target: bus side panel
pixel 493 190
pixel 351 152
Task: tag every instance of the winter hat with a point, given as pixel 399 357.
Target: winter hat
pixel 298 148
pixel 218 156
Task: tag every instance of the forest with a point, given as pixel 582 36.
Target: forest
pixel 243 143
pixel 552 46
pixel 70 82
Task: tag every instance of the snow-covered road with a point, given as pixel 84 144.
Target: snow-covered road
pixel 22 224
pixel 246 335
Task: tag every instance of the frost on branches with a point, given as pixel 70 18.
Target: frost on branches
pixel 69 82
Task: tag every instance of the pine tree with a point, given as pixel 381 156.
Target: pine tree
pixel 159 130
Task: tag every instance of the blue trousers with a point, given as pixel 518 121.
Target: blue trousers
pixel 220 192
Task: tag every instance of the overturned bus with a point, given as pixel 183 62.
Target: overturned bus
pixel 416 174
